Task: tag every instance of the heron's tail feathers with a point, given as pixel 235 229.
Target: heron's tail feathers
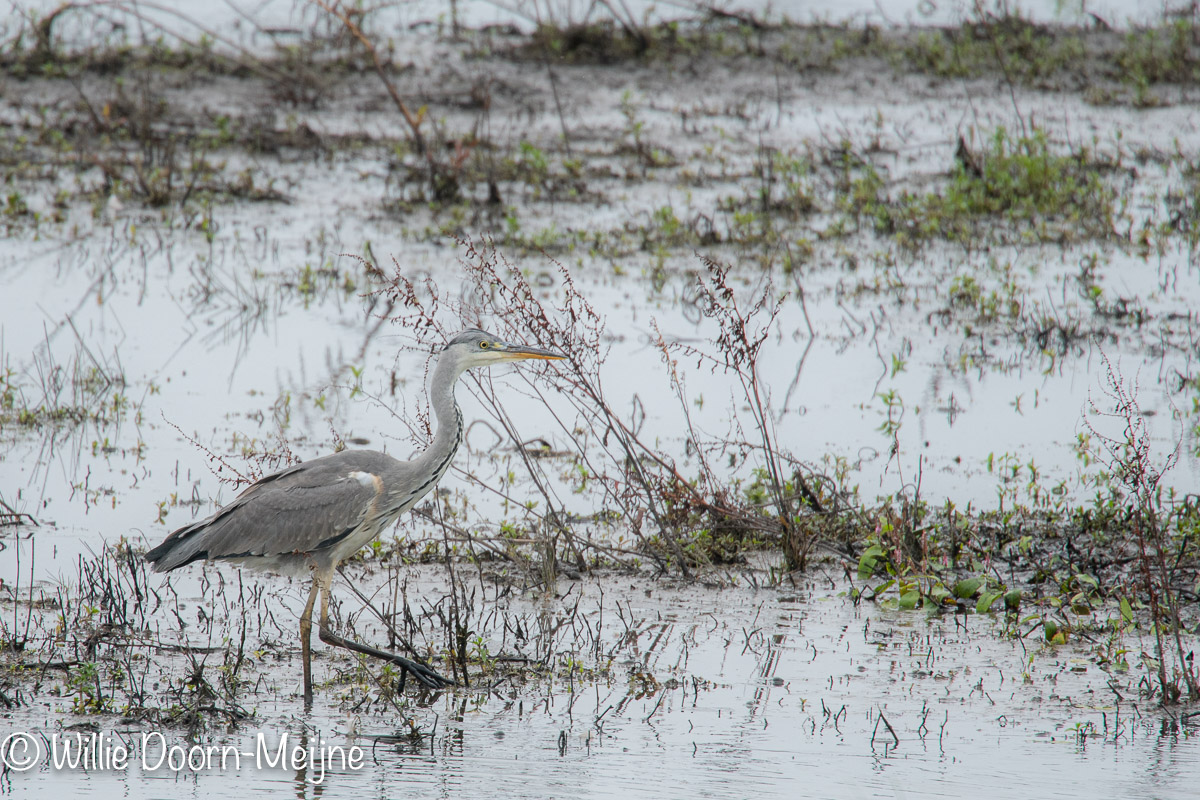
pixel 181 547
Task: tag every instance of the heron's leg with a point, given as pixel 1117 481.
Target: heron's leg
pixel 424 675
pixel 306 640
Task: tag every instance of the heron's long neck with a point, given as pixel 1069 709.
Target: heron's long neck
pixel 449 433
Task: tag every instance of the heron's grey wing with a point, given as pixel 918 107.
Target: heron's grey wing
pixel 292 512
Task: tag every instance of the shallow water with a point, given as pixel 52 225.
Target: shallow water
pixel 729 692
pixel 280 20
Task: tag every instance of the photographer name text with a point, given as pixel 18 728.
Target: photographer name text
pixel 153 752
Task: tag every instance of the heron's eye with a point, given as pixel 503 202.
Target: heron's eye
pixel 485 344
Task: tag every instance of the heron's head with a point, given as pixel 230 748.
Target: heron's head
pixel 476 348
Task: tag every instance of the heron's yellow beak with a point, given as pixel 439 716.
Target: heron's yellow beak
pixel 517 352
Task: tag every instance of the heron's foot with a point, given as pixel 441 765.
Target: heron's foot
pixel 424 675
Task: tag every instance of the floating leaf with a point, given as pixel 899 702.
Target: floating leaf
pixel 985 601
pixel 874 592
pixel 966 589
pixel 869 560
pixel 1012 600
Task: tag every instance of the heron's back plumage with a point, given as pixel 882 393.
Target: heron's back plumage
pixel 296 514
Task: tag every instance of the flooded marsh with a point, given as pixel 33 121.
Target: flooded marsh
pixel 870 468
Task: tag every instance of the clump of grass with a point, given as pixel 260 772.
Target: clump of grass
pixel 1017 179
pixel 127 141
pixel 589 43
pixel 1022 178
pixel 624 38
pixel 86 389
pixel 1166 54
pixel 1024 51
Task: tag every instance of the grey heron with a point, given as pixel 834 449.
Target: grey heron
pixel 311 516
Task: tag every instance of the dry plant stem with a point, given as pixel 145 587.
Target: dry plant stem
pixel 10 516
pixel 562 120
pixel 1131 461
pixel 740 347
pixel 394 635
pixel 414 120
pixel 552 521
pixel 628 23
pixel 45 47
pixel 637 479
pixel 1155 555
pixel 1156 615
